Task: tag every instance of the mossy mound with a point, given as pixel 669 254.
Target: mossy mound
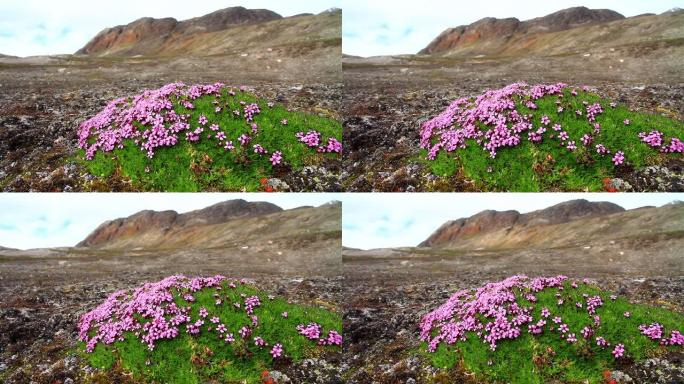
pixel 203 137
pixel 183 330
pixel 545 138
pixel 523 330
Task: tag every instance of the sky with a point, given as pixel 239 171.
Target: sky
pixel 42 27
pixel 396 220
pixel 387 27
pixel 56 220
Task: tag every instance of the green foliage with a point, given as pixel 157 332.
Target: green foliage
pixel 204 357
pixel 205 165
pixel 547 357
pixel 549 166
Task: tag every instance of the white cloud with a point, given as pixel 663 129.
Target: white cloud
pixel 39 27
pixel 396 220
pixel 55 220
pixel 379 27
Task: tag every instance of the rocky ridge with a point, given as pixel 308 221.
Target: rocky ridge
pixel 149 33
pixel 565 31
pixel 552 229
pixel 489 220
pixel 162 222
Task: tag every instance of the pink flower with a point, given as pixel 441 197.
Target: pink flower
pixel 244 139
pixel 619 351
pixel 245 332
pixel 619 158
pixel 601 342
pixel 258 149
pixel 284 314
pixel 229 146
pixel 627 314
pixel 283 122
pixel 601 149
pixel 277 350
pixel 276 157
pixel 203 312
pixel 626 121
pixel 202 120
pixel 311 331
pixel 259 342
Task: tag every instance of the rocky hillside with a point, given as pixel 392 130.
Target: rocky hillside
pixel 566 31
pixel 570 223
pixel 153 224
pixel 229 30
pixel 214 226
pixel 148 33
pixel 490 221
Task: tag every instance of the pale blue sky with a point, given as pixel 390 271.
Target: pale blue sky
pixel 41 27
pixel 397 220
pixel 54 220
pixel 386 27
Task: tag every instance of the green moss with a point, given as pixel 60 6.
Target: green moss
pixel 545 166
pixel 206 357
pixel 547 357
pixel 205 165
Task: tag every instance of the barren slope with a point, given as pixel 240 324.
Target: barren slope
pixel 569 31
pixel 233 30
pixel 225 225
pixel 546 229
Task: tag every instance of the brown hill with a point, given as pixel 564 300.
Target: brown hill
pixel 566 31
pixel 222 225
pixel 567 224
pixel 153 224
pixel 489 221
pixel 228 31
pixel 148 34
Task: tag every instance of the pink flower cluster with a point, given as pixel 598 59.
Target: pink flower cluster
pixel 656 139
pixel 313 331
pixel 494 313
pixel 491 312
pixel 152 313
pixel 149 312
pixel 151 122
pixel 493 122
pixel 656 331
pixel 147 118
pixel 491 119
pixel 312 139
